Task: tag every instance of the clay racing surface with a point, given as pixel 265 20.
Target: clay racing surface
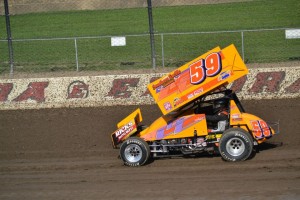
pixel 67 154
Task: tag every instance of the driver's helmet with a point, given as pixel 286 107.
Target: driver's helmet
pixel 220 103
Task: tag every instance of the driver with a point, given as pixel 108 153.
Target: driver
pixel 220 112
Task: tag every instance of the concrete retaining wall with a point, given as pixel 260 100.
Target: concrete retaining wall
pixel 260 83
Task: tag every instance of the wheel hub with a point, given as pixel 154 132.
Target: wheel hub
pixel 235 146
pixel 133 153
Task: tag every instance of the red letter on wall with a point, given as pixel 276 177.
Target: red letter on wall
pixel 146 93
pixel 269 81
pixel 78 89
pixel 5 89
pixel 237 85
pixel 35 91
pixel 120 87
pixel 294 88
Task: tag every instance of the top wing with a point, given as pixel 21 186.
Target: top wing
pixel 198 77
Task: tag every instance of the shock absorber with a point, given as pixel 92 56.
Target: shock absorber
pixel 195 136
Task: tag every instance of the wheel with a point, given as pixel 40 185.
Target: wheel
pixel 134 152
pixel 235 145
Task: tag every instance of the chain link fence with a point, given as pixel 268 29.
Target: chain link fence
pixel 80 35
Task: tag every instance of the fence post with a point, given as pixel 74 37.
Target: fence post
pixel 76 54
pixel 151 33
pixel 162 50
pixel 9 38
pixel 243 53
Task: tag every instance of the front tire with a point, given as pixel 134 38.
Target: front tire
pixel 134 152
pixel 236 145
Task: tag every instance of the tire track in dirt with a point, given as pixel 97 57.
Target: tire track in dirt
pixel 67 154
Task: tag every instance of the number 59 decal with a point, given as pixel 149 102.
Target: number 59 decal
pixel 260 129
pixel 210 66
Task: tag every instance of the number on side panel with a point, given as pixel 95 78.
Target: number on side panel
pixel 260 129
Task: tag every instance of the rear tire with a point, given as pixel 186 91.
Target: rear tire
pixel 236 145
pixel 134 152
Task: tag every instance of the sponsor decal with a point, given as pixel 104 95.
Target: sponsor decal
pixel 167 106
pixel 198 91
pixel 236 117
pixel 124 130
pixel 178 101
pixel 166 81
pixel 224 75
pixel 158 89
pixel 190 96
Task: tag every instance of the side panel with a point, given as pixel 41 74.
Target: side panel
pixel 182 127
pixel 123 132
pixel 259 129
pixel 196 78
pixel 126 127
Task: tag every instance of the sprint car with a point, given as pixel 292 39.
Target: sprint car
pixel 200 115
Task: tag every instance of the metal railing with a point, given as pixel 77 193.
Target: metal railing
pixel 78 35
pixel 172 49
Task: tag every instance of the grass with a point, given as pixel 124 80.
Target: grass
pixel 268 46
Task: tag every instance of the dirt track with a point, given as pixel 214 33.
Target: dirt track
pixel 67 154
